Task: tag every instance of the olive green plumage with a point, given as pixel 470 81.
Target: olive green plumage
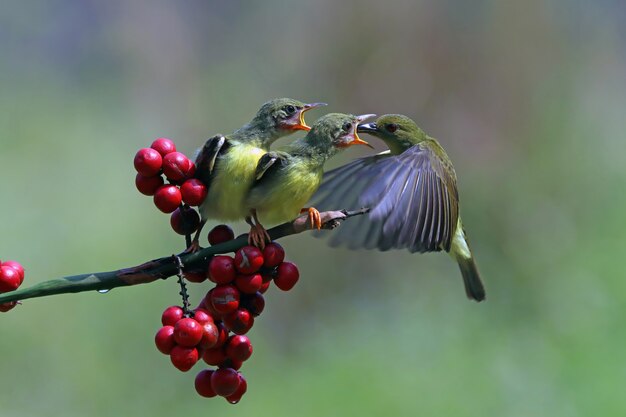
pixel 412 193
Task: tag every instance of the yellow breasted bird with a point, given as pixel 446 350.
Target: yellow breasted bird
pixel 412 193
pixel 285 180
pixel 226 164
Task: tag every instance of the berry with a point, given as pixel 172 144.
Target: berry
pixel 273 255
pixel 148 162
pixel 167 198
pixel 202 316
pixel 287 276
pixel 225 298
pixel 164 339
pixel 194 192
pixel 203 383
pixel 17 266
pixel 225 381
pixel 206 304
pixel 249 284
pixel 220 234
pixel 171 315
pixel 223 335
pixel 195 276
pixel 187 332
pixel 239 348
pixel 222 269
pixel 239 321
pixel 235 397
pixel 176 166
pixel 254 303
pixel 184 358
pixel 231 363
pixel 148 185
pixel 163 146
pixel 4 307
pixel 210 335
pixel 9 278
pixel 185 221
pixel 214 356
pixel 248 259
pixel 265 287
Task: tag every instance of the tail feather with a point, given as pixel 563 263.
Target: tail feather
pixel 474 287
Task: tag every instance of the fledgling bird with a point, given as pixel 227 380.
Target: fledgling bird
pixel 412 193
pixel 226 164
pixel 285 180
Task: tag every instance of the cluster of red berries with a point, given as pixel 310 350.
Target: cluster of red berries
pixel 11 277
pixel 162 159
pixel 215 330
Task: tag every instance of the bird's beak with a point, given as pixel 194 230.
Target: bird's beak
pixel 367 128
pixel 356 140
pixel 301 124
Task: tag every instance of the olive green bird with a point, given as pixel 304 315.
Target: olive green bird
pixel 226 164
pixel 412 195
pixel 285 180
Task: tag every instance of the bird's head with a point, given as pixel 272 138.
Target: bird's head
pixel 398 131
pixel 336 131
pixel 283 116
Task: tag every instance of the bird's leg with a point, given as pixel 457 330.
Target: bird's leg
pixel 314 217
pixel 195 243
pixel 258 235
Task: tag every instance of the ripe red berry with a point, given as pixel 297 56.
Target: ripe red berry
pixel 248 259
pixel 225 298
pixel 167 198
pixel 9 278
pixel 184 358
pixel 287 276
pixel 231 363
pixel 203 383
pixel 239 321
pixel 148 185
pixel 202 316
pixel 214 356
pixel 210 335
pixel 176 166
pixel 17 266
pixel 222 269
pixel 148 162
pixel 4 307
pixel 273 255
pixel 239 348
pixel 194 192
pixel 254 303
pixel 187 332
pixel 164 339
pixel 185 221
pixel 265 287
pixel 223 335
pixel 220 234
pixel 163 146
pixel 225 381
pixel 195 276
pixel 249 284
pixel 206 304
pixel 171 315
pixel 235 397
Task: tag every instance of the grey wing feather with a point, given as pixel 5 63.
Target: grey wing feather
pixel 207 156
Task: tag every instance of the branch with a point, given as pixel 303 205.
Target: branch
pixel 166 267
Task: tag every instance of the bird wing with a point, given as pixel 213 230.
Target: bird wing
pixel 269 162
pixel 412 197
pixel 205 161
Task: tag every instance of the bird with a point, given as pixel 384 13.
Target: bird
pixel 286 179
pixel 411 191
pixel 226 164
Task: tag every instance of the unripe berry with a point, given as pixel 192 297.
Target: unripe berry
pixel 185 221
pixel 194 192
pixel 203 383
pixel 187 332
pixel 273 255
pixel 171 315
pixel 148 185
pixel 248 259
pixel 239 321
pixel 9 278
pixel 214 356
pixel 239 348
pixel 163 146
pixel 225 381
pixel 148 162
pixel 176 166
pixel 220 234
pixel 167 198
pixel 184 358
pixel 254 303
pixel 225 298
pixel 287 277
pixel 249 284
pixel 222 269
pixel 235 397
pixel 164 339
pixel 17 266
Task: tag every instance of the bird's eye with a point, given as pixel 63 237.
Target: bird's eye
pixel 391 127
pixel 347 126
pixel 290 109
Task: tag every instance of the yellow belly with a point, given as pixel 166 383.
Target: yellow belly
pixel 233 176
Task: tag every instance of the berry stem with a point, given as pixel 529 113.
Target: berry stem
pixel 183 286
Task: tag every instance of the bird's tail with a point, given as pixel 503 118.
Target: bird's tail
pixel 461 252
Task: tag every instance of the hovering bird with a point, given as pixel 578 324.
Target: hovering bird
pixel 412 195
pixel 226 164
pixel 285 180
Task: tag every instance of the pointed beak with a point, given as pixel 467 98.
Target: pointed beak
pixel 301 125
pixel 367 128
pixel 356 140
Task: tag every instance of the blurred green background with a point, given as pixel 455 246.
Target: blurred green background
pixel 528 98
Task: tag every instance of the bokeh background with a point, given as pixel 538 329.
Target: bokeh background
pixel 529 100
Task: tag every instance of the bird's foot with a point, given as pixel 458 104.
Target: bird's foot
pixel 193 248
pixel 314 217
pixel 258 236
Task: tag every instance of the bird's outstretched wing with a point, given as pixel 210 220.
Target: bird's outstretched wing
pixel 412 196
pixel 205 161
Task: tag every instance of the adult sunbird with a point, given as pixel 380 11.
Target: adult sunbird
pixel 412 193
pixel 285 180
pixel 226 164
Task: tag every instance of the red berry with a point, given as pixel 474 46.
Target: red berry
pixel 231 363
pixel 163 146
pixel 185 221
pixel 239 321
pixel 268 276
pixel 167 198
pixel 287 276
pixel 203 383
pixel 220 234
pixel 225 381
pixel 17 266
pixel 194 192
pixel 254 303
pixel 171 315
pixel 187 332
pixel 176 166
pixel 214 356
pixel 210 335
pixel 222 269
pixel 265 287
pixel 4 307
pixel 249 284
pixel 235 397
pixel 202 316
pixel 9 278
pixel 225 298
pixel 223 335
pixel 184 358
pixel 206 304
pixel 148 185
pixel 273 255
pixel 239 348
pixel 164 339
pixel 148 162
pixel 195 276
pixel 248 259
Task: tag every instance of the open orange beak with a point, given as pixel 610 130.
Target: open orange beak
pixel 356 140
pixel 301 124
